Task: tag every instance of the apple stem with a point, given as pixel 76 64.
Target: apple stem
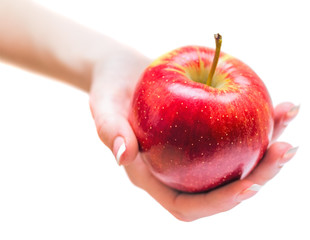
pixel 218 43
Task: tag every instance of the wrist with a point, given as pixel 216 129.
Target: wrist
pixel 117 64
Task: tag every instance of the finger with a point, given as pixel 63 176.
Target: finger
pixel 278 154
pixel 284 113
pixel 115 131
pixel 189 207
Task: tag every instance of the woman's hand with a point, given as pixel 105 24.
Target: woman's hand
pixel 62 49
pixel 113 85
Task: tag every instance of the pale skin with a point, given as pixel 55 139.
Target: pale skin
pixel 61 49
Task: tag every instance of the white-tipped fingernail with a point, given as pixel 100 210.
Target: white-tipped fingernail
pixel 254 187
pixel 293 112
pixel 249 192
pixel 119 148
pixel 288 155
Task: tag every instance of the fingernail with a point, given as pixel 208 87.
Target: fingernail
pixel 119 148
pixel 288 155
pixel 292 113
pixel 249 192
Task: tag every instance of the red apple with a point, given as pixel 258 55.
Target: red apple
pixel 202 118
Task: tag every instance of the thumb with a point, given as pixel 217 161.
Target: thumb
pixel 116 133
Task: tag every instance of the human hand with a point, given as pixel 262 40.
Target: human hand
pixel 110 96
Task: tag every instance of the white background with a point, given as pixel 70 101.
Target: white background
pixel 58 181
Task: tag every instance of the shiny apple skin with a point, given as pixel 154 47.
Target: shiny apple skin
pixel 194 137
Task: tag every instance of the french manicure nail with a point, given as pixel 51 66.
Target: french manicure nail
pixel 293 112
pixel 249 192
pixel 119 148
pixel 254 187
pixel 288 155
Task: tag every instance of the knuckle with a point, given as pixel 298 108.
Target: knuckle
pixel 224 205
pixel 182 216
pixel 226 208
